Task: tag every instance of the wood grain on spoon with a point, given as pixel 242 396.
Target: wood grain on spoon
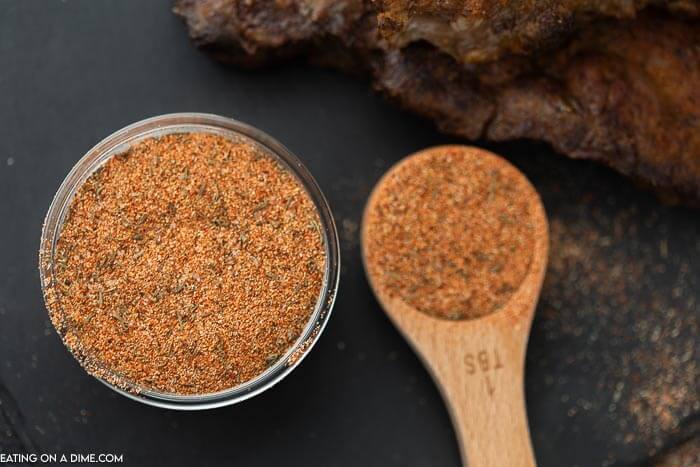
pixel 455 242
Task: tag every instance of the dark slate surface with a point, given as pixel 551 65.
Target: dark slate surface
pixel 613 363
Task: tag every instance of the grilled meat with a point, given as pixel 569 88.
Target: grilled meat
pixel 611 84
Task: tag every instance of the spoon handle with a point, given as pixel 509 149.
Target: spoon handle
pixel 480 374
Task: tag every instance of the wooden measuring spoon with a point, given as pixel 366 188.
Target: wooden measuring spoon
pixel 413 230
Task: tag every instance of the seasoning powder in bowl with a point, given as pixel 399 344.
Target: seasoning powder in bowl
pixel 188 265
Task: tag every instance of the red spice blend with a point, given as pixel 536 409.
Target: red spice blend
pixel 451 233
pixel 188 265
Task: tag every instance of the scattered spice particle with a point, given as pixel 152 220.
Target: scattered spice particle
pixel 163 260
pixel 686 454
pixel 626 313
pixel 450 233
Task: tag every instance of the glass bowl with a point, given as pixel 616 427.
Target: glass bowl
pixel 117 143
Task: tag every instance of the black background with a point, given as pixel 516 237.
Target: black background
pixel 73 72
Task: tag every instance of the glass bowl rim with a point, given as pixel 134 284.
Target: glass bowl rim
pixel 192 122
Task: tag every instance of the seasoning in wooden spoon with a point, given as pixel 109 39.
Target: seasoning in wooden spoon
pixel 188 265
pixel 451 233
